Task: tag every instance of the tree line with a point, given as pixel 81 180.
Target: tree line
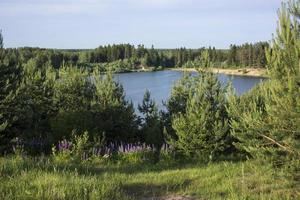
pixel 126 57
pixel 41 105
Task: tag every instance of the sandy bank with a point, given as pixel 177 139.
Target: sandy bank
pixel 257 72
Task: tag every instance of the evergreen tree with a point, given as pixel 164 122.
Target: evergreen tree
pixel 177 102
pixel 283 55
pixel 204 129
pixel 1 40
pixel 72 95
pixel 294 8
pixel 28 108
pixel 200 120
pixel 10 79
pixel 268 126
pixel 152 130
pixel 113 114
pixel 232 57
pixel 93 103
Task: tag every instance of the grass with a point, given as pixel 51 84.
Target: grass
pixel 47 178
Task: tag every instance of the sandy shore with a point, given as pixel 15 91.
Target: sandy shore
pixel 258 72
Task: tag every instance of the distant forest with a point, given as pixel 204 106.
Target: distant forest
pixel 126 57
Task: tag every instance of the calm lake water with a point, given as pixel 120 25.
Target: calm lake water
pixel 160 84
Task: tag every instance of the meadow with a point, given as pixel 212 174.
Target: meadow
pixel 129 177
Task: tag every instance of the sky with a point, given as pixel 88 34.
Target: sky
pixel 70 24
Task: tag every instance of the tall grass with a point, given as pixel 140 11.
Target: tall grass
pixel 46 178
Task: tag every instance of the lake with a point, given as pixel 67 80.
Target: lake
pixel 160 83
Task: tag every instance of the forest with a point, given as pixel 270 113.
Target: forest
pixel 62 118
pixel 126 57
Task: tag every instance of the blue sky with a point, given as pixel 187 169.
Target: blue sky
pixel 163 23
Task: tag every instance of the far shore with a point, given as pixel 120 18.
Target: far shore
pixel 256 72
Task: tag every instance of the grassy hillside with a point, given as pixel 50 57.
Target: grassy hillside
pixel 49 178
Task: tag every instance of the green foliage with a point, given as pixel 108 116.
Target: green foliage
pixel 266 121
pixel 79 147
pixel 3 125
pixel 294 8
pixel 9 81
pixel 152 130
pixel 204 129
pixel 177 103
pixel 73 94
pixel 115 114
pixel 196 121
pixel 41 104
pixel 80 143
pixel 283 56
pixel 148 107
pixel 125 65
pixel 93 103
pixel 126 58
pixel 248 55
pixel 205 60
pixel 242 109
pixel 26 101
pixel 1 40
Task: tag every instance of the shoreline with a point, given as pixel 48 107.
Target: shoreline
pixel 254 72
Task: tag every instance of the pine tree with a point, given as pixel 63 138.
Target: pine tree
pixel 283 108
pixel 294 8
pixel 113 114
pixel 28 108
pixel 268 126
pixel 1 40
pixel 94 103
pixel 72 95
pixel 232 57
pixel 152 130
pixel 197 113
pixel 177 102
pixel 204 129
pixel 283 56
pixel 10 79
